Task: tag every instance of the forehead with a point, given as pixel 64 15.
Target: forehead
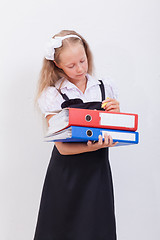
pixel 72 52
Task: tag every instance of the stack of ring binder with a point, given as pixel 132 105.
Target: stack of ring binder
pixel 82 125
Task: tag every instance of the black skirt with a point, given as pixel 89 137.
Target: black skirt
pixel 77 198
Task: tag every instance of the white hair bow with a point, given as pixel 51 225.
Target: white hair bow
pixel 53 43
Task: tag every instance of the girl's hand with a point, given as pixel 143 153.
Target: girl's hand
pixel 111 105
pixel 107 142
pixel 66 148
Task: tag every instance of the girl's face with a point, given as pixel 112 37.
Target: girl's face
pixel 73 61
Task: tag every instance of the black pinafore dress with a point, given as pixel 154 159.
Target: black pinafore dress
pixel 77 200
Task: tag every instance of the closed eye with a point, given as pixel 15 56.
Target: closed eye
pixel 82 61
pixel 71 66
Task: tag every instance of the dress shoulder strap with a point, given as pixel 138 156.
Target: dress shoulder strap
pixel 102 90
pixel 65 97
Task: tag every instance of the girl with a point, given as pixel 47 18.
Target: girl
pixel 77 199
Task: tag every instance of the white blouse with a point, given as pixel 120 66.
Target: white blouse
pixel 50 100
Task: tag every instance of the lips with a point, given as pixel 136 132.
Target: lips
pixel 80 75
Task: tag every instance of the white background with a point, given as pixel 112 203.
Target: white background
pixel 124 36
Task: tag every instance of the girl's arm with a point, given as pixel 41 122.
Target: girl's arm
pixel 75 148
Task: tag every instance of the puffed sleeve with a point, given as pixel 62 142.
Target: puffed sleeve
pixel 111 90
pixel 50 101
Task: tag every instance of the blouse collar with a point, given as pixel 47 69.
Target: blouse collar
pixel 67 84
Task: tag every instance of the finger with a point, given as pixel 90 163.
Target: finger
pixel 108 100
pixel 89 143
pixel 106 139
pixel 112 102
pixel 110 140
pixel 105 102
pixel 112 110
pixel 100 140
pixel 113 107
pixel 114 144
pixel 108 103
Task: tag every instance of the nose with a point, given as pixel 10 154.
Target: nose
pixel 79 68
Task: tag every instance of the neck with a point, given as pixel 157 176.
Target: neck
pixel 80 84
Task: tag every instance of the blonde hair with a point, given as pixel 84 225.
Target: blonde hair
pixel 50 73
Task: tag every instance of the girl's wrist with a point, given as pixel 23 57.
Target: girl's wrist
pixel 92 147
